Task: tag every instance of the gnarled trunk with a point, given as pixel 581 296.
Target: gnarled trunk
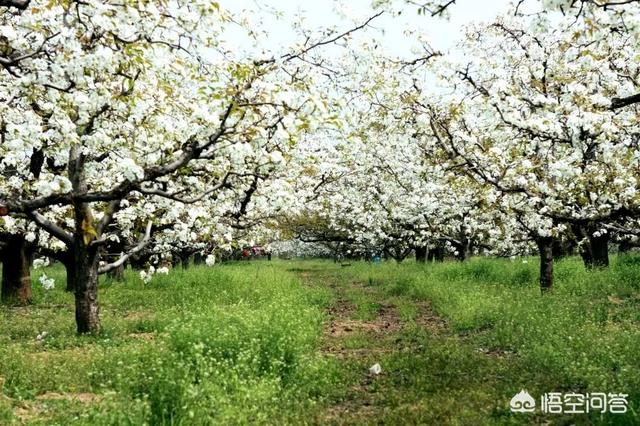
pixel 398 254
pixel 16 277
pixel 85 276
pixel 545 248
pixel 85 257
pixel 585 247
pixel 391 254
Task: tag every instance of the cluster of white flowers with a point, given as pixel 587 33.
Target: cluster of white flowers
pixel 147 275
pixel 41 262
pixel 49 184
pixel 164 270
pixel 47 282
pixel 130 170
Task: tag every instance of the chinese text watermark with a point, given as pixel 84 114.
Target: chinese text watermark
pixel 571 403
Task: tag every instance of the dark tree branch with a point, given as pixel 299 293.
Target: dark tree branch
pixel 61 256
pixel 8 62
pixel 442 8
pixel 617 103
pixel 176 197
pixel 248 194
pixel 51 227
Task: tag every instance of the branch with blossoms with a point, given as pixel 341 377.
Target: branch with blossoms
pixel 10 62
pixel 432 8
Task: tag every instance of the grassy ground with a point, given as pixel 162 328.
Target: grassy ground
pixel 291 342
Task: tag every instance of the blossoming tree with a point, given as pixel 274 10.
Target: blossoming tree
pixel 119 100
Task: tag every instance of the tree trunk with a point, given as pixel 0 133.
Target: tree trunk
pixel 84 267
pixel 421 254
pixel 71 279
pixel 16 277
pixel 464 249
pixel 85 258
pixel 595 249
pixel 562 248
pixel 398 254
pixel 585 254
pixel 545 247
pixel 85 274
pixel 393 255
pixel 436 254
pixel 599 250
pixel 462 254
pixel 585 246
pixel 67 261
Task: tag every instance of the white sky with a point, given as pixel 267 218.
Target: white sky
pixel 442 34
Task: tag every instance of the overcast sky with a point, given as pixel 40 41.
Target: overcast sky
pixel 441 33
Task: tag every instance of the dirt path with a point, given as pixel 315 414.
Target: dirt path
pixel 363 328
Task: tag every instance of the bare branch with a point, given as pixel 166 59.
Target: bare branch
pixel 144 241
pixel 291 56
pixel 440 10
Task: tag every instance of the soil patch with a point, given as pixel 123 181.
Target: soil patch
pixel 430 320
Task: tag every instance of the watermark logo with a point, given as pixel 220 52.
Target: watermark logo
pixel 571 403
pixel 522 402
